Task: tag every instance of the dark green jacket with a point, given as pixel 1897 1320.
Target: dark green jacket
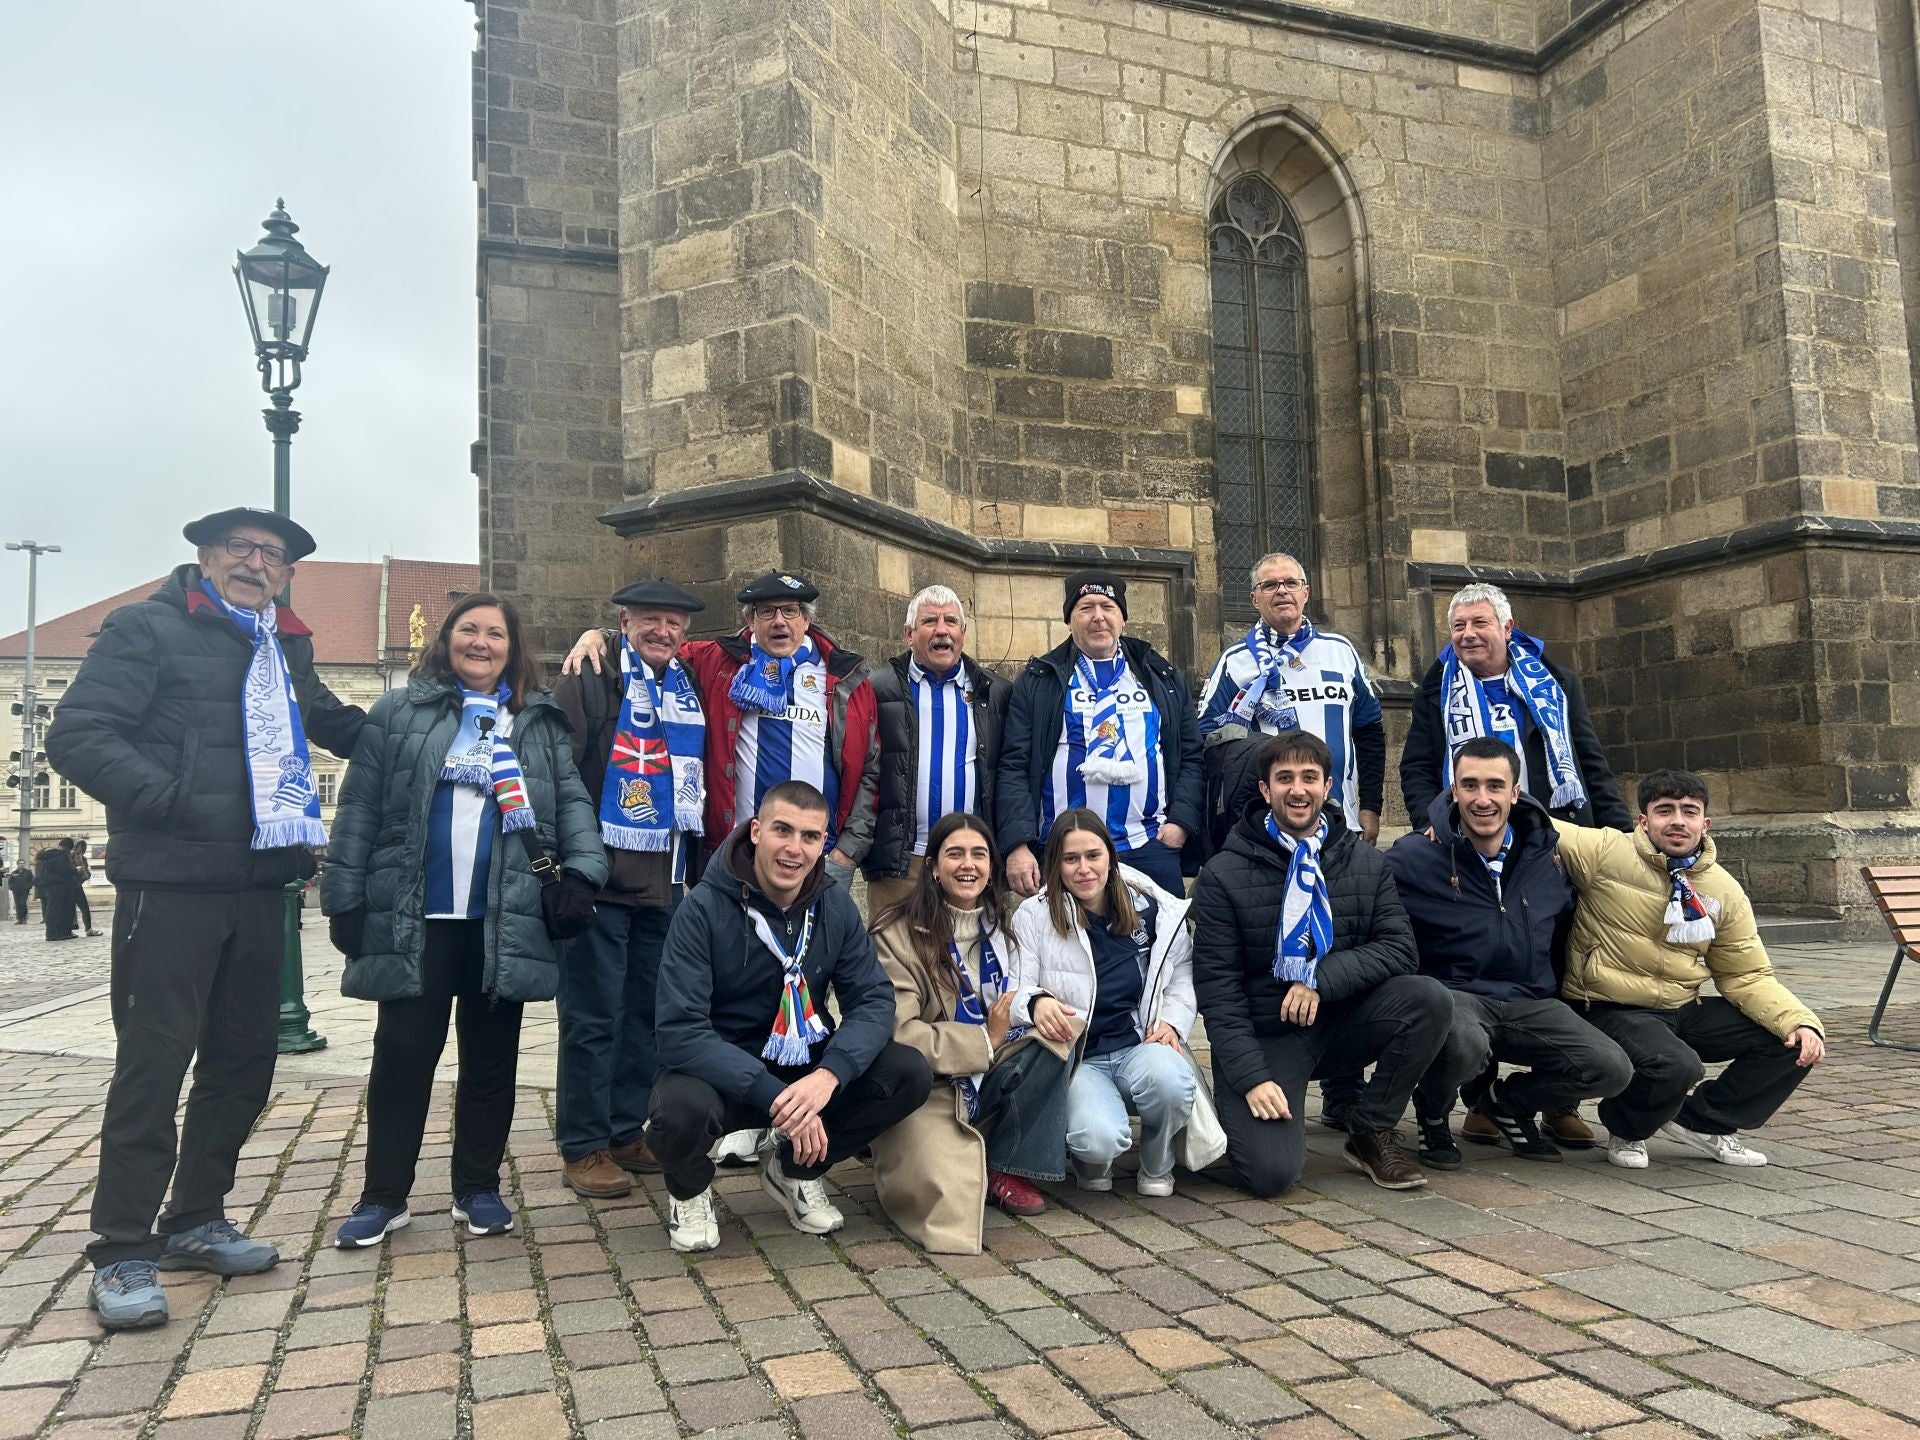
pixel 377 861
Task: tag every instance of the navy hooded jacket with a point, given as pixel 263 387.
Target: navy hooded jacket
pixel 1509 945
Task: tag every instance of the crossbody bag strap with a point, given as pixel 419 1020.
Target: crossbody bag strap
pixel 544 869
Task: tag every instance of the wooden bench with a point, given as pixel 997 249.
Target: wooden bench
pixel 1896 890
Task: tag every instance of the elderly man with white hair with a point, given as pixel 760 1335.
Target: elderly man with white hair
pixel 940 721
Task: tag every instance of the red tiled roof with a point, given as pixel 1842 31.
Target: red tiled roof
pixel 339 600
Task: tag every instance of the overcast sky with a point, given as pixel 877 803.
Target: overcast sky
pixel 145 143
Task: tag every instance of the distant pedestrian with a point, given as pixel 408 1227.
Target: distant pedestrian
pixel 20 884
pixel 189 720
pixel 53 878
pixel 82 872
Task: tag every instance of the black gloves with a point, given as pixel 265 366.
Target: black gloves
pixel 569 906
pixel 348 931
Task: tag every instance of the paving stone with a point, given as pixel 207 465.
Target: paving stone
pixel 1850 1421
pixel 1371 1411
pixel 1227 1321
pixel 1049 1328
pixel 688 1363
pixel 746 1303
pixel 1037 1401
pixel 1622 1374
pixel 1333 1285
pixel 1171 1348
pixel 1644 1292
pixel 116 1390
pixel 1067 1277
pixel 1425 1381
pixel 300 1413
pixel 927 1395
pixel 1168 1417
pixel 1105 1370
pixel 1714 1266
pixel 1832 1304
pixel 1508 1421
pixel 985 1347
pixel 410 1417
pixel 521 1417
pixel 614 1391
pixel 800 1376
pixel 1480 1356
pixel 27 1408
pixel 497 1376
pixel 1643 1338
pixel 1716 1414
pixel 1240 1396
pixel 1344 1339
pixel 411 1340
pixel 43 1364
pixel 1891 1387
pixel 211 1392
pixel 1395 1315
pixel 1532 1333
pixel 1568 1401
pixel 1742 1378
pixel 1785 1341
pixel 842 1417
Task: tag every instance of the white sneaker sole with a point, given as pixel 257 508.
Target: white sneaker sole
pixel 1155 1188
pixel 460 1217
pixel 1627 1162
pixel 688 1245
pixel 398 1222
pixel 1745 1159
pixel 805 1224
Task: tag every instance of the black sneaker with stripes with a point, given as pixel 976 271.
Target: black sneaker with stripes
pixel 1520 1132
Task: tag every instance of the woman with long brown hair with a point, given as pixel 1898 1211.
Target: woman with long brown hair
pixel 460 808
pixel 997 1115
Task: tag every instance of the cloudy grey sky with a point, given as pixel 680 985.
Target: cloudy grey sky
pixel 145 144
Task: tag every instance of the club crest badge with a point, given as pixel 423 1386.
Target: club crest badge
pixel 636 801
pixel 770 670
pixel 809 682
pixel 790 582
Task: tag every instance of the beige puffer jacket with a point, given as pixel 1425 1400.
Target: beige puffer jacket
pixel 1619 952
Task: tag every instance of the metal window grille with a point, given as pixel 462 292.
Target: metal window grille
pixel 1262 384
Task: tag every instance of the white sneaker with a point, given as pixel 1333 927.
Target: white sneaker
pixel 739 1149
pixel 1147 1184
pixel 1627 1154
pixel 805 1201
pixel 691 1224
pixel 1727 1149
pixel 1088 1178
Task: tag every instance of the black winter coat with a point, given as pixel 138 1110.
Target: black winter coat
pixel 900 758
pixel 1506 945
pixel 151 727
pixel 1236 913
pixel 1423 761
pixel 1036 714
pixel 720 985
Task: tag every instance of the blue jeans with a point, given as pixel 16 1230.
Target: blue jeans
pixel 842 875
pixel 1160 863
pixel 1154 1082
pixel 609 980
pixel 1023 1113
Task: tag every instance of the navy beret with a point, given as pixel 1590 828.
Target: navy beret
pixel 212 529
pixel 657 595
pixel 778 585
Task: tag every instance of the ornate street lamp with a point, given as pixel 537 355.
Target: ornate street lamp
pixel 280 285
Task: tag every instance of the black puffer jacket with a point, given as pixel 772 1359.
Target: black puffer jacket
pixel 1236 913
pixel 900 758
pixel 151 727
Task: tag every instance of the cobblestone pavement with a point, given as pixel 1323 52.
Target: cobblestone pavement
pixel 1510 1300
pixel 32 970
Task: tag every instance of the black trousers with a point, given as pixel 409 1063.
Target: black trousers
pixel 689 1116
pixel 1397 1028
pixel 1568 1060
pixel 191 972
pixel 20 907
pixel 86 910
pixel 1669 1050
pixel 608 987
pixel 407 1044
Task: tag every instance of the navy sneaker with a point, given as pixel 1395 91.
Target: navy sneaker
pixel 484 1212
pixel 369 1225
pixel 218 1247
pixel 128 1296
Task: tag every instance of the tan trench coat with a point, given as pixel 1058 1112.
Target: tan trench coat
pixel 930 1170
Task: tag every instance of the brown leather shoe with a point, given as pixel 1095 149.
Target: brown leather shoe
pixel 1565 1127
pixel 596 1176
pixel 1378 1153
pixel 1478 1129
pixel 636 1157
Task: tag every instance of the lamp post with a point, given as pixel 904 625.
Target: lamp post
pixel 29 758
pixel 280 285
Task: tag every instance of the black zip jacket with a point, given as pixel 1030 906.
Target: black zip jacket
pixel 1036 714
pixel 1236 914
pixel 1423 761
pixel 152 728
pixel 720 985
pixel 900 757
pixel 1505 945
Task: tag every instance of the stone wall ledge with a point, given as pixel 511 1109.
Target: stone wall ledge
pixel 495 247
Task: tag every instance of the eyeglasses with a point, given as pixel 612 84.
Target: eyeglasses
pixel 777 612
pixel 244 549
pixel 1272 587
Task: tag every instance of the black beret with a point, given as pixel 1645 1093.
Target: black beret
pixel 1094 582
pixel 212 529
pixel 778 585
pixel 657 595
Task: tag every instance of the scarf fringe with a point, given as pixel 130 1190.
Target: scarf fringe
pixel 689 818
pixel 1689 932
pixel 279 834
pixel 519 818
pixel 1106 771
pixel 628 837
pixel 787 1049
pixel 474 776
pixel 1568 792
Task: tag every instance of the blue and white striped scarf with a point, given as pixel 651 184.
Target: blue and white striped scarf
pixel 1306 912
pixel 481 758
pixel 1691 917
pixel 286 807
pixel 1497 864
pixel 659 744
pixel 765 683
pixel 1467 715
pixel 945 783
pixel 1264 701
pixel 971 1006
pixel 1110 759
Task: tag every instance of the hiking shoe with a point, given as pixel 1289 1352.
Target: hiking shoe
pixel 1517 1129
pixel 1013 1194
pixel 596 1176
pixel 127 1295
pixel 218 1248
pixel 1727 1149
pixel 1098 1178
pixel 1378 1153
pixel 1437 1150
pixel 636 1157
pixel 691 1224
pixel 1627 1154
pixel 485 1213
pixel 1153 1185
pixel 369 1224
pixel 805 1201
pixel 739 1149
pixel 1567 1130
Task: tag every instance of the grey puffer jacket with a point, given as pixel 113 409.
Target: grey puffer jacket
pixel 377 861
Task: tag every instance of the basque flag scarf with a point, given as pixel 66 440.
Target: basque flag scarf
pixel 482 760
pixel 286 807
pixel 656 774
pixel 1466 714
pixel 1306 913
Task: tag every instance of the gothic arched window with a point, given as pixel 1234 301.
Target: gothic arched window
pixel 1262 384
